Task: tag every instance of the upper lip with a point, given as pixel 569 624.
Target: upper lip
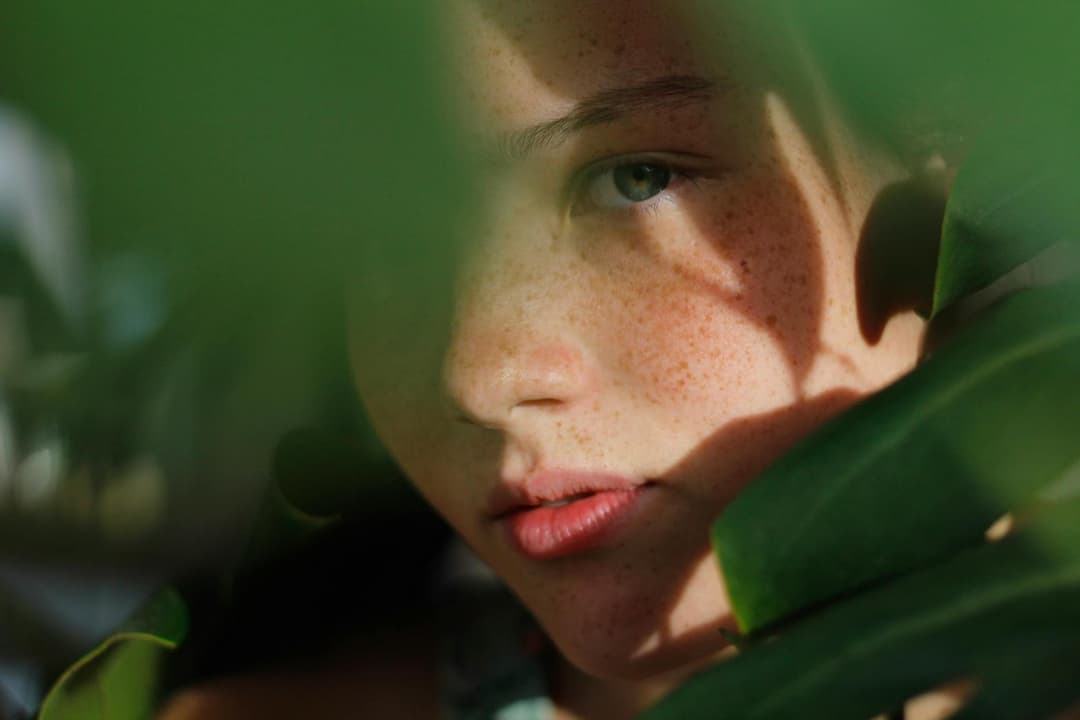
pixel 548 486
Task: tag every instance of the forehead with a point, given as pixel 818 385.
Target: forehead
pixel 517 62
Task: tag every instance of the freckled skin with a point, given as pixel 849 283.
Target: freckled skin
pixel 688 343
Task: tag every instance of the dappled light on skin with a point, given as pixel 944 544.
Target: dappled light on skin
pixel 685 340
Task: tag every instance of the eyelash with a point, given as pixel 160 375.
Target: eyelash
pixel 681 166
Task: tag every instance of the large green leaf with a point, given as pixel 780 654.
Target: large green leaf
pixel 989 83
pixel 1027 680
pixel 1018 598
pixel 1012 200
pixel 117 679
pixel 917 471
pixel 239 165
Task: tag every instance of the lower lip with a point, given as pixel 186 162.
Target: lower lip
pixel 544 533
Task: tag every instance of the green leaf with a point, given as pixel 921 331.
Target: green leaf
pixel 1007 206
pixel 954 620
pixel 915 472
pixel 1027 682
pixel 117 679
pixel 281 526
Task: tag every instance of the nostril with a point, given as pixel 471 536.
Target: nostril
pixel 546 404
pixel 541 402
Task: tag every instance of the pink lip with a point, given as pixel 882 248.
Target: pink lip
pixel 595 506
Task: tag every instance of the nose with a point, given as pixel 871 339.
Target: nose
pixel 515 342
pixel 489 379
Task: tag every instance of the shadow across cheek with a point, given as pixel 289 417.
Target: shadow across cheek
pixel 641 629
pixel 760 225
pixel 729 459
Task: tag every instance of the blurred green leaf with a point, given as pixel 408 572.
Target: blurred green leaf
pixel 241 168
pixel 281 526
pixel 1012 200
pixel 1027 680
pixel 1019 597
pixel 927 75
pixel 117 679
pixel 915 472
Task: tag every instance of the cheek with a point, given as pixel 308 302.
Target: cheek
pixel 698 356
pixel 720 318
pixel 768 233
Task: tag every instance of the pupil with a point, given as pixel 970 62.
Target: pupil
pixel 641 181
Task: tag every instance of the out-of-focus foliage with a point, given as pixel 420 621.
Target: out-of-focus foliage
pixel 1014 198
pixel 116 680
pixel 1006 611
pixel 235 169
pixel 916 472
pixel 238 166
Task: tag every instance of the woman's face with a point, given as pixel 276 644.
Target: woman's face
pixel 655 295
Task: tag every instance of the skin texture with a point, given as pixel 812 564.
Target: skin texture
pixel 686 340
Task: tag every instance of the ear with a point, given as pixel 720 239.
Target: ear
pixel 898 249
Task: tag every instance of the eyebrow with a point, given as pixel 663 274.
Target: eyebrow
pixel 604 107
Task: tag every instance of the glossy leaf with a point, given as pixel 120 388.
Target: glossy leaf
pixel 1014 199
pixel 955 620
pixel 116 680
pixel 915 472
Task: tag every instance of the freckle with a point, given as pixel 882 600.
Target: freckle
pixel 771 321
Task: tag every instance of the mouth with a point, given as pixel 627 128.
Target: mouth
pixel 558 514
pixel 566 501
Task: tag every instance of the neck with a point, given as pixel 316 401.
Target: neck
pixel 583 697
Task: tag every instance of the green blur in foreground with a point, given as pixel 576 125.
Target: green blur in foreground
pixel 1004 612
pixel 117 680
pixel 239 156
pixel 918 471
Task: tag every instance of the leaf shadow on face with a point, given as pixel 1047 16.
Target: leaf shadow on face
pixel 761 223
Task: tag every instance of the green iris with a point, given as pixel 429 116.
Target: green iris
pixel 640 181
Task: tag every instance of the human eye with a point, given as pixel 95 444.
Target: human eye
pixel 626 182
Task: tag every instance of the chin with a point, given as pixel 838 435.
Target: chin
pixel 620 624
pixel 672 658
